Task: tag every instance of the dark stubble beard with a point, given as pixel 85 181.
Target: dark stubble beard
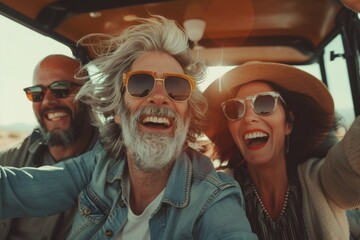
pixel 153 151
pixel 67 136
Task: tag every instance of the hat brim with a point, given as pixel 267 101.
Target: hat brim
pixel 286 76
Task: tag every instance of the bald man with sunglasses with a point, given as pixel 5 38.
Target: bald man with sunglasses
pixel 64 131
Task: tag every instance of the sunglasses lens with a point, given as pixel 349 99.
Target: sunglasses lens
pixel 34 94
pixel 60 89
pixel 140 85
pixel 264 104
pixel 234 109
pixel 178 88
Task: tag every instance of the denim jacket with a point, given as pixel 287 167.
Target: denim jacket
pixel 32 153
pixel 198 203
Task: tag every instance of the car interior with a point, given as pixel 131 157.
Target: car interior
pixel 223 32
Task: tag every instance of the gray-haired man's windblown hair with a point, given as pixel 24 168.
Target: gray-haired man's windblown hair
pixel 115 55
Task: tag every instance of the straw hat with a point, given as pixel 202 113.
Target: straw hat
pixel 288 77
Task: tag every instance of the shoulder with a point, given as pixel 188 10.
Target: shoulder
pixel 203 170
pixel 16 155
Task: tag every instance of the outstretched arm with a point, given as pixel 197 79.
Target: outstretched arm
pixel 340 174
pixel 45 190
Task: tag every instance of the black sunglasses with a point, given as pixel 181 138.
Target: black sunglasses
pixel 140 84
pixel 263 104
pixel 60 89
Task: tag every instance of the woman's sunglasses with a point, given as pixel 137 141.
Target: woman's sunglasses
pixel 60 89
pixel 263 104
pixel 140 84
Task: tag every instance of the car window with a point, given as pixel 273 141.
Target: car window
pixel 338 80
pixel 21 49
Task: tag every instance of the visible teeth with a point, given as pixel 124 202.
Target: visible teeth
pixel 255 135
pixel 154 119
pixel 54 115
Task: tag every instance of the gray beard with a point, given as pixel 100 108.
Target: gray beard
pixel 153 151
pixel 62 138
pixel 69 136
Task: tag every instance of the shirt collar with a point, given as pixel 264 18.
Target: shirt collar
pixel 177 192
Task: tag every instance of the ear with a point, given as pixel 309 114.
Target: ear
pixel 117 119
pixel 289 124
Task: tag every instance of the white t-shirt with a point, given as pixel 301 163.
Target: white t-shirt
pixel 137 226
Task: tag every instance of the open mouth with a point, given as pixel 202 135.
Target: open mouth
pixel 256 140
pixel 157 122
pixel 53 116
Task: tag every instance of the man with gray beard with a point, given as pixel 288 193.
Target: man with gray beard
pixel 64 131
pixel 142 180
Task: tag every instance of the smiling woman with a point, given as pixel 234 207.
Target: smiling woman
pixel 271 131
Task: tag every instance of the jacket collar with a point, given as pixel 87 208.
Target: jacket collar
pixel 36 141
pixel 177 190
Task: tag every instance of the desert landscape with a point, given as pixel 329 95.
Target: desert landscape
pixel 10 138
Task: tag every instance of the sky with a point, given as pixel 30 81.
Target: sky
pixel 21 49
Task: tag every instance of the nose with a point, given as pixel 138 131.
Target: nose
pixel 249 114
pixel 49 98
pixel 159 95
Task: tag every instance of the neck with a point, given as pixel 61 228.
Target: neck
pixel 60 152
pixel 145 186
pixel 271 184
